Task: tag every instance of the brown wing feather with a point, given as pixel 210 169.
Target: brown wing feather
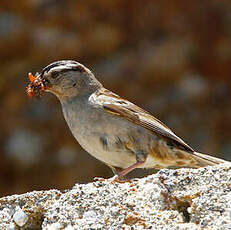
pixel 121 107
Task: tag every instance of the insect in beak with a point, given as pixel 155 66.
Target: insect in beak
pixel 37 85
pixel 31 77
pixel 30 91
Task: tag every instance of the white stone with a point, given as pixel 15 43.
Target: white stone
pixel 20 217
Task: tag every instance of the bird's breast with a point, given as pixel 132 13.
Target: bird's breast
pixel 101 135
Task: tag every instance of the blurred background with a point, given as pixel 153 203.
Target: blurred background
pixel 172 58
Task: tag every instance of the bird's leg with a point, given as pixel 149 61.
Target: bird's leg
pixel 140 159
pixel 129 169
pixel 119 177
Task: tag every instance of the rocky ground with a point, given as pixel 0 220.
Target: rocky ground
pixel 170 199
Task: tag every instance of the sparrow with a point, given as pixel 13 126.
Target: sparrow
pixel 110 128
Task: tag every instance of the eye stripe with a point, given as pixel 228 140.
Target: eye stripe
pixel 63 66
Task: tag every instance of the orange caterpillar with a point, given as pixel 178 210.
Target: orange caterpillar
pixel 36 87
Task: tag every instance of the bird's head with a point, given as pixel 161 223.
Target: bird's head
pixel 65 79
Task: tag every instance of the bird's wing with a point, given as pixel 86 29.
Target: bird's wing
pixel 118 106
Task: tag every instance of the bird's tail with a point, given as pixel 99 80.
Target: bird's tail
pixel 205 160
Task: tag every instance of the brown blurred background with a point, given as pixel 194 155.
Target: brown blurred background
pixel 172 58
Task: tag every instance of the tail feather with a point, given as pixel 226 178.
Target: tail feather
pixel 204 159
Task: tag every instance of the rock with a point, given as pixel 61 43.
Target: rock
pixel 171 58
pixel 20 217
pixel 170 199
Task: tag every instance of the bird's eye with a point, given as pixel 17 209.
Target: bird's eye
pixel 54 74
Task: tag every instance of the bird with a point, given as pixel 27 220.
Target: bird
pixel 112 129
